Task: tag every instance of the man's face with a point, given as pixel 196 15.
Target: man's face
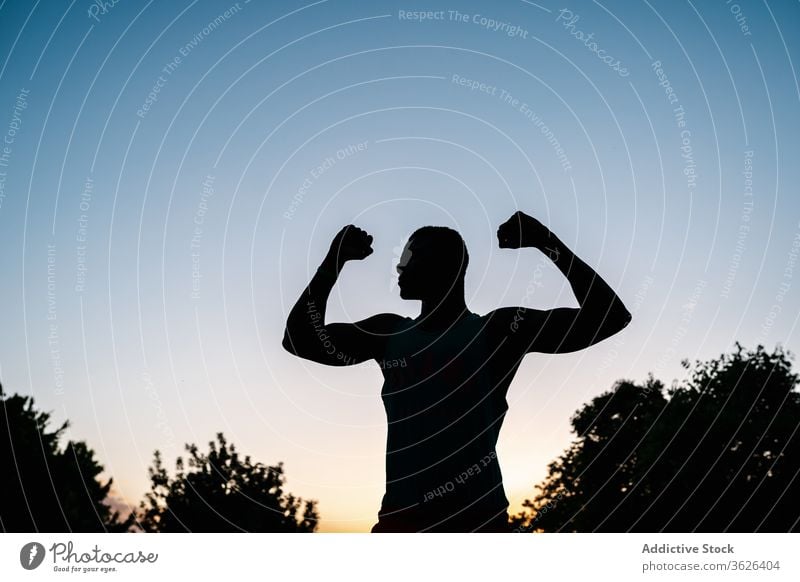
pixel 407 273
pixel 423 273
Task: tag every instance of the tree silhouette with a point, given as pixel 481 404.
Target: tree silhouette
pixel 47 488
pixel 221 492
pixel 717 452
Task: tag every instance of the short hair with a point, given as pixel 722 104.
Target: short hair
pixel 449 245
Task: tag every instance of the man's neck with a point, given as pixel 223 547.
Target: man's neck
pixel 442 313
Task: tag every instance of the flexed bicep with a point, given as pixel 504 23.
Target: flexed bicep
pixel 345 344
pixel 337 344
pixel 600 314
pixel 554 331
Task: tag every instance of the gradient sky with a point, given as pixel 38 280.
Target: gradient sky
pixel 209 211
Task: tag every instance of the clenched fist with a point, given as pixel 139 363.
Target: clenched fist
pixel 522 230
pixel 350 243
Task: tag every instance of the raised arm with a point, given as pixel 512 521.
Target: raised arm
pixel 337 344
pixel 601 313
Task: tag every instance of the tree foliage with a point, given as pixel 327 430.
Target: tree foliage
pixel 220 491
pixel 718 452
pixel 47 488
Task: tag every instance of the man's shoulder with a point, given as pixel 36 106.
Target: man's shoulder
pixel 501 315
pixel 504 322
pixel 383 322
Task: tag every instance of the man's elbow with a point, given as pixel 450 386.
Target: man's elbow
pixel 289 345
pixel 297 347
pixel 610 323
pixel 617 321
pixel 625 318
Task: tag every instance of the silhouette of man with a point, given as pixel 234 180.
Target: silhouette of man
pixel 446 373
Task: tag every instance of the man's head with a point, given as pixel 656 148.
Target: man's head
pixel 433 264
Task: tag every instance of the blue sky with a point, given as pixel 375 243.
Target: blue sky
pixel 274 124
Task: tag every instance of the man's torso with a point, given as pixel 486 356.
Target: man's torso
pixel 445 400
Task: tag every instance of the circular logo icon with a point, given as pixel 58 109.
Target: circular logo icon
pixel 31 555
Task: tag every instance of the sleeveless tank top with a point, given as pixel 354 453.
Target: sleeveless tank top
pixel 445 399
